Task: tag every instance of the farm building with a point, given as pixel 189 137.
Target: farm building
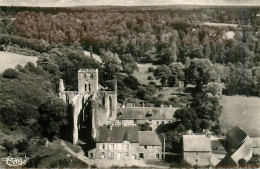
pixel 124 142
pixel 197 149
pixel 154 116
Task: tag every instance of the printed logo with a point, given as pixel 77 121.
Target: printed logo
pixel 13 162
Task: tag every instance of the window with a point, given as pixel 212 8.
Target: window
pixel 89 87
pixel 126 154
pixel 135 121
pixel 197 153
pixel 196 160
pixel 91 155
pixel 163 122
pixel 112 146
pixel 91 76
pixel 85 87
pixel 127 146
pixel 112 154
pixel 157 122
pixel 158 156
pixel 141 155
pixel 103 155
pixel 103 146
pixel 145 147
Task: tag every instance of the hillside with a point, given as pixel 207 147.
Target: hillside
pixel 10 60
pixel 142 74
pixel 243 112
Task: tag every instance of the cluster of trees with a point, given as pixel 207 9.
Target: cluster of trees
pixel 237 78
pixel 150 36
pixel 28 99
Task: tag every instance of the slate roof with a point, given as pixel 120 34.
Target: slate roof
pixel 217 147
pixel 227 161
pixel 196 143
pixel 118 134
pixel 149 138
pixel 146 113
pixel 235 137
pixel 245 151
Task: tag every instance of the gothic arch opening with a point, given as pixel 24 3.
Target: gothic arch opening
pixel 110 107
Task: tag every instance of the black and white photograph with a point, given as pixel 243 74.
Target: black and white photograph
pixel 123 84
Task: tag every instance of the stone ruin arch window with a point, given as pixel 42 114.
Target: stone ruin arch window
pixel 91 76
pixel 86 86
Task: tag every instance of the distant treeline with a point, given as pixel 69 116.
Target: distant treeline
pixel 160 36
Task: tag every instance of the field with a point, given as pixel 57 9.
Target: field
pixel 10 60
pixel 142 74
pixel 243 112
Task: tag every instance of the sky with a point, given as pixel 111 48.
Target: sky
pixel 63 3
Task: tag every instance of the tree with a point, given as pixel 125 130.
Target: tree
pixel 8 145
pixel 198 72
pixel 10 73
pixel 145 127
pixel 188 118
pixel 242 162
pixel 177 74
pixel 52 117
pixel 128 63
pixel 207 105
pixel 131 82
pixel 22 145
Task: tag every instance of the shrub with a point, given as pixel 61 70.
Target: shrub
pixel 22 145
pixel 8 145
pixel 64 162
pixel 174 99
pixel 152 83
pixel 151 69
pixel 10 73
pixel 150 78
pixel 34 162
pixel 161 95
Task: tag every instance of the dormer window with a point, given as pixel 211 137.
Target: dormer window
pixel 148 114
pixel 119 114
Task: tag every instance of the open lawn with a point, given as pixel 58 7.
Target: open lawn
pixel 10 60
pixel 142 74
pixel 243 112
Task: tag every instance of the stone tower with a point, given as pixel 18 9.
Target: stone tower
pixel 93 104
pixel 88 81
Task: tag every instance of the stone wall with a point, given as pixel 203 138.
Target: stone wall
pixel 117 150
pixel 197 158
pixel 151 152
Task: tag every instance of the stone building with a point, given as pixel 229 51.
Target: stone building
pixel 126 142
pixel 154 116
pixel 197 149
pixel 93 105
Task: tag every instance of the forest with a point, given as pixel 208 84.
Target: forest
pixel 187 44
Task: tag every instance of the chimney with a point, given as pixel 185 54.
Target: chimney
pixel 61 86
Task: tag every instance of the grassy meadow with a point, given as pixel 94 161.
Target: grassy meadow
pixel 243 112
pixel 10 60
